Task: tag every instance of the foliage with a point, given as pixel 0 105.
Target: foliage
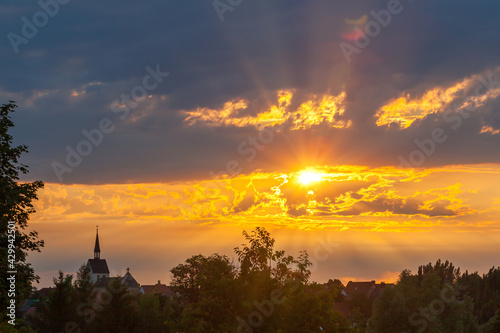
pixel 270 292
pixel 257 258
pixel 446 271
pixel 201 274
pixel 484 291
pixel 437 299
pixel 493 325
pixel 57 309
pixel 84 297
pixel 336 286
pixel 150 315
pixel 68 305
pixel 119 313
pixel 265 294
pixel 310 309
pixel 206 286
pixel 20 327
pixel 15 205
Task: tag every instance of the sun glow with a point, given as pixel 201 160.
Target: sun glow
pixel 309 177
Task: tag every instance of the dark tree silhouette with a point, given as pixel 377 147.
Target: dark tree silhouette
pixel 15 205
pixel 56 310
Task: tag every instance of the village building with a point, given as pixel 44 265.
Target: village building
pixel 370 289
pixel 99 272
pixel 98 267
pixel 157 289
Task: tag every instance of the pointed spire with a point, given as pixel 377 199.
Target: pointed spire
pixel 97 249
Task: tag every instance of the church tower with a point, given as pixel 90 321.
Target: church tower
pixel 98 267
pixel 97 248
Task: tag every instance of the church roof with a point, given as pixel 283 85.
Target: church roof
pixel 104 282
pixel 98 266
pixel 129 282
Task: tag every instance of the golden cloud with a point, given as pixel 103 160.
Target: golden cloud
pixel 317 110
pixel 466 94
pixel 489 129
pixel 352 197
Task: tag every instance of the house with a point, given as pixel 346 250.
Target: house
pixel 157 289
pixel 370 289
pixel 378 289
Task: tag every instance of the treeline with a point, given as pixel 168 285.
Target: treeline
pixel 270 291
pixel 438 298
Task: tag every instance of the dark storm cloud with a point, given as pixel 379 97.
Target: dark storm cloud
pixel 67 76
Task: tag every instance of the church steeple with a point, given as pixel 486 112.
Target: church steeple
pixel 97 249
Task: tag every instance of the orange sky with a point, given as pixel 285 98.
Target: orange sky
pixel 379 221
pixel 179 127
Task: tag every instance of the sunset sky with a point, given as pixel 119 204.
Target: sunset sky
pixel 365 132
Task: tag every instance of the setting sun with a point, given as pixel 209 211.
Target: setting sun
pixel 309 177
pixel 330 167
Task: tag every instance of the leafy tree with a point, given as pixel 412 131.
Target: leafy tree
pixel 336 286
pixel 56 310
pixel 257 256
pixel 484 292
pixel 217 297
pixel 85 297
pixel 151 318
pixel 171 310
pixel 361 309
pixel 208 293
pixel 15 205
pixel 493 325
pixel 257 278
pixel 119 312
pixel 263 272
pixel 309 308
pixel 200 274
pixel 491 294
pixel 390 312
pixel 446 271
pixel 83 285
pixel 426 302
